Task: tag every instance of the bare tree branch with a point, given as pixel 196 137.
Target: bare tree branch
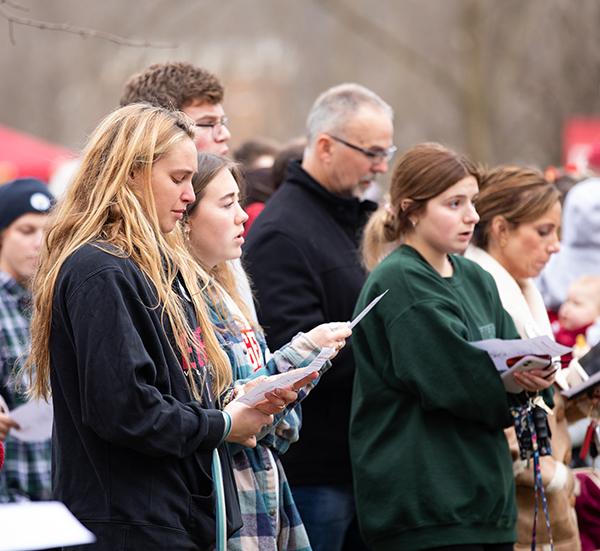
pixel 11 33
pixel 14 5
pixel 392 46
pixel 65 27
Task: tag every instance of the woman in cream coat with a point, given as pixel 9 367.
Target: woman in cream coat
pixel 517 233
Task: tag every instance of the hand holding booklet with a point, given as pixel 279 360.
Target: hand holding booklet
pixel 513 355
pixel 257 394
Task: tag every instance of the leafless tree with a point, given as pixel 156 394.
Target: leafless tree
pixel 494 79
pixel 7 5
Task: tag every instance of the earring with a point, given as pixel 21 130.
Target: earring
pixel 413 222
pixel 503 243
pixel 186 232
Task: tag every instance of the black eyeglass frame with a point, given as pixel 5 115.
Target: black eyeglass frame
pixel 224 121
pixel 375 156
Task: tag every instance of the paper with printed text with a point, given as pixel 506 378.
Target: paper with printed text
pixel 257 394
pixel 500 350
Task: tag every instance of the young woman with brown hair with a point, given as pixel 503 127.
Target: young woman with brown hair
pixel 431 463
pixel 214 225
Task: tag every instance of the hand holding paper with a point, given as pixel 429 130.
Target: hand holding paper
pixel 532 354
pixel 257 394
pixel 277 400
pixel 34 420
pixel 6 424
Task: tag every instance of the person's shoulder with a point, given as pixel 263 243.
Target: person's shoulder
pixel 286 213
pixel 95 255
pixel 472 271
pixel 288 200
pixel 403 262
pixel 405 274
pixel 5 300
pixel 94 259
pixel 417 284
pixel 6 284
pixel 101 269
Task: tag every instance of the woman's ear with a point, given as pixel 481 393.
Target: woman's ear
pixel 405 204
pixel 499 228
pixel 135 176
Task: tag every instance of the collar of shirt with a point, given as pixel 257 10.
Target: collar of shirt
pixel 11 286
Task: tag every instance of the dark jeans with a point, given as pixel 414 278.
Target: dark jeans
pixel 328 514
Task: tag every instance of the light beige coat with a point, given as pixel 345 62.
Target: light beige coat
pixel 524 303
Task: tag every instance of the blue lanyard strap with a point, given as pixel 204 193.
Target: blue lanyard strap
pixel 217 475
pixel 537 477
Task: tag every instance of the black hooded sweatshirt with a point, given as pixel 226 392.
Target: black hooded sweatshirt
pixel 132 450
pixel 302 254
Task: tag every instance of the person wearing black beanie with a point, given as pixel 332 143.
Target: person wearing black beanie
pixel 24 207
pixel 22 196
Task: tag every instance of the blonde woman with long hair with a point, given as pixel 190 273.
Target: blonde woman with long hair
pixel 122 341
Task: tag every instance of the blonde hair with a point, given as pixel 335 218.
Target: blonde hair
pixel 422 173
pixel 209 166
pixel 101 206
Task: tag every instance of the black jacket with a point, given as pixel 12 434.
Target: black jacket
pixel 302 256
pixel 131 448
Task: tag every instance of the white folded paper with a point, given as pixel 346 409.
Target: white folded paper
pixel 40 525
pixel 35 420
pixel 500 350
pixel 257 394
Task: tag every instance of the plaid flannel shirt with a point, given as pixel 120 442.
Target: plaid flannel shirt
pixel 271 519
pixel 26 474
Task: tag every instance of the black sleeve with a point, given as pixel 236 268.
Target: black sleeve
pixel 287 288
pixel 127 391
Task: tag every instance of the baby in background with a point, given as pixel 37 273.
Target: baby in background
pixel 580 315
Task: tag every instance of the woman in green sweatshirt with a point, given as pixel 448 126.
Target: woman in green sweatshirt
pixel 431 464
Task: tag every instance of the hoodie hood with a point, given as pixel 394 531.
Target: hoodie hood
pixel 579 253
pixel 581 215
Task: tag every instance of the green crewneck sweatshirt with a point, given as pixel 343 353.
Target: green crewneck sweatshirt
pixel 431 463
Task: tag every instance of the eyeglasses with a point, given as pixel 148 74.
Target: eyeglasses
pixel 216 126
pixel 375 156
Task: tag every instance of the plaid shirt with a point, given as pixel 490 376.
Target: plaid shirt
pixel 271 519
pixel 26 472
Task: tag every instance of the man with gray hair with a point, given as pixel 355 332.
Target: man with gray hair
pixel 302 254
